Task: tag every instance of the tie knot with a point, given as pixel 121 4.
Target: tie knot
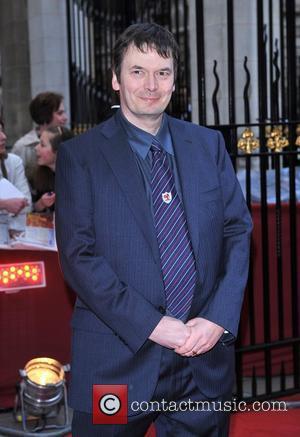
pixel 155 146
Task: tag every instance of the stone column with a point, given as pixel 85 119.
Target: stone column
pixel 48 42
pixel 15 68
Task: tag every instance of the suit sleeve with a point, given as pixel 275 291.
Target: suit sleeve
pixel 225 305
pixel 115 303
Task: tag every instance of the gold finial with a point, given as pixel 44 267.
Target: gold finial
pixel 297 143
pixel 248 142
pixel 276 139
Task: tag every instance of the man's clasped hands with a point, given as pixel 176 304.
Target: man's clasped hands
pixel 189 339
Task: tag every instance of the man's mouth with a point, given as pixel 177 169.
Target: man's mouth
pixel 150 98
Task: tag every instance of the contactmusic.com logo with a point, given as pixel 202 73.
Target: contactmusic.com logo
pixel 110 404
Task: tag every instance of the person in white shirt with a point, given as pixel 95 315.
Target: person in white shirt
pixel 46 110
pixel 13 211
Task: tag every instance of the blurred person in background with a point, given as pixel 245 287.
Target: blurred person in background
pixel 13 211
pixel 46 110
pixel 43 195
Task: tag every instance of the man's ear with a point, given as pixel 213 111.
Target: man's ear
pixel 115 82
pixel 173 89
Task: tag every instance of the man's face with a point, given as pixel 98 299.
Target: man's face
pixel 146 85
pixel 59 117
pixel 3 139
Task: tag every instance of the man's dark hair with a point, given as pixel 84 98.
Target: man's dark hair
pixel 43 105
pixel 144 36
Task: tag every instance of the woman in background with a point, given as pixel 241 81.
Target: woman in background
pixel 12 210
pixel 43 195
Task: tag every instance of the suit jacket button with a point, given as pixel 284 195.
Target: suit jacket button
pixel 162 310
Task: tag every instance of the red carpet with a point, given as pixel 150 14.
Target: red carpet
pixel 265 424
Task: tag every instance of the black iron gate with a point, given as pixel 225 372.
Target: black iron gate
pixel 264 152
pixel 263 147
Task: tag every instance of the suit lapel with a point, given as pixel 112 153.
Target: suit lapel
pixel 121 159
pixel 187 161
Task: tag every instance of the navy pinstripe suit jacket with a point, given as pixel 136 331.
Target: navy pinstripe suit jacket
pixel 109 256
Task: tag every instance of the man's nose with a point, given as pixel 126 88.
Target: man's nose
pixel 151 82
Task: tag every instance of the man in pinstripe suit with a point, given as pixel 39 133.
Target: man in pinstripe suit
pixel 153 235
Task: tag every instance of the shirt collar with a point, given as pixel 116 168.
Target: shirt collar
pixel 140 140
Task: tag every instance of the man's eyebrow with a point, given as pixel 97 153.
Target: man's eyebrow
pixel 136 67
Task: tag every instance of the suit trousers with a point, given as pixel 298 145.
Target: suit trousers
pixel 178 408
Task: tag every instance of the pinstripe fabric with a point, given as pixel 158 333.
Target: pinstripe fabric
pixel 176 253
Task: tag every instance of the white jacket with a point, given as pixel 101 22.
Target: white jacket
pixel 16 175
pixel 25 148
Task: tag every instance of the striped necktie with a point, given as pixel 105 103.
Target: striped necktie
pixel 176 253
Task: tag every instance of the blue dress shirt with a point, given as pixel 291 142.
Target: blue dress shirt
pixel 140 142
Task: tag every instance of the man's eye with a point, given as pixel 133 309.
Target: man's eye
pixel 164 73
pixel 137 72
